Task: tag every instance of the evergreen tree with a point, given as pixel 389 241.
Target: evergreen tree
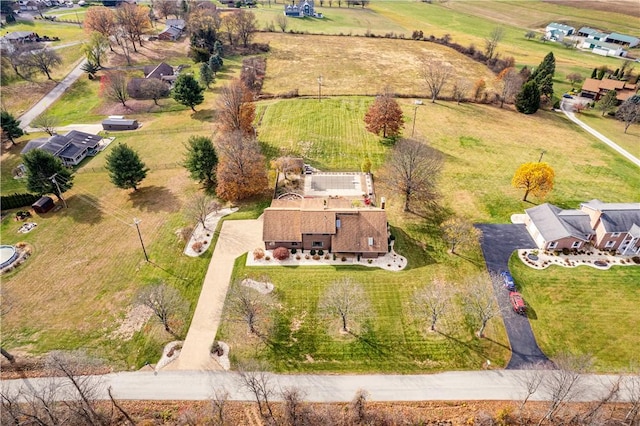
pixel 594 74
pixel 187 91
pixel 10 126
pixel 607 102
pixel 528 100
pixel 206 75
pixel 218 49
pixel 42 169
pixel 545 86
pixel 546 67
pixel 126 170
pixel 215 63
pixel 201 160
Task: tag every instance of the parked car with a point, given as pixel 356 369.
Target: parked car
pixel 507 281
pixel 517 303
pixel 568 96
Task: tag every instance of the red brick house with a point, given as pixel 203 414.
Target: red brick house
pixel 331 224
pixel 595 89
pixel 605 226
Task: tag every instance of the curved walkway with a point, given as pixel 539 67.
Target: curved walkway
pixel 498 243
pixel 236 237
pixel 571 115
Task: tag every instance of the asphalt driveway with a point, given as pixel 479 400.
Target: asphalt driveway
pixel 498 242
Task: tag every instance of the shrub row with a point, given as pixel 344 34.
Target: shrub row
pixel 16 200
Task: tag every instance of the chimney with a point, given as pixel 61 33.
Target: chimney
pixel 383 201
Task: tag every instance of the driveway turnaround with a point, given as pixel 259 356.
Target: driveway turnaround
pixel 236 237
pixel 498 242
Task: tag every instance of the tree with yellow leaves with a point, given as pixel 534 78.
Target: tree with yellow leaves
pixel 534 178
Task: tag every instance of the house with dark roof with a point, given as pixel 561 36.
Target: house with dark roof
pixel 173 29
pixel 553 228
pixel 301 9
pixel 162 71
pixel 595 89
pixel 616 225
pixel 331 224
pixel 71 148
pixel 605 226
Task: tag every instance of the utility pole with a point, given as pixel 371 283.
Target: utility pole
pixel 55 182
pixel 136 222
pixel 415 112
pixel 319 87
pixel 541 154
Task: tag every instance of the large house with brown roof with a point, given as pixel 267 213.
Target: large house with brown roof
pixel 333 224
pixel 595 89
pixel 605 226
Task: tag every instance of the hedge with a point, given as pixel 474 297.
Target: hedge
pixel 17 200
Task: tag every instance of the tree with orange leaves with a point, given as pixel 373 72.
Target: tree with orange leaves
pixel 102 20
pixel 236 110
pixel 241 171
pixel 534 178
pixel 134 21
pixel 384 116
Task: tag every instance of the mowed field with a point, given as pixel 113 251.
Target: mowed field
pixel 584 311
pixel 358 65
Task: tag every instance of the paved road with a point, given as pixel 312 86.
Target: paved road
pixel 566 107
pixel 498 242
pixel 52 96
pixel 199 385
pixel 236 237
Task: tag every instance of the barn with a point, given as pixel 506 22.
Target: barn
pixel 43 205
pixel 118 123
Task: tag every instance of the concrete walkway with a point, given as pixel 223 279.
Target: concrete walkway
pixel 52 96
pixel 566 109
pixel 236 237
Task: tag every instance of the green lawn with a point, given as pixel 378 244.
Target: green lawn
pixel 584 311
pixel 615 130
pixel 391 340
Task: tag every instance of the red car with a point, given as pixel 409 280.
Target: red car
pixel 517 303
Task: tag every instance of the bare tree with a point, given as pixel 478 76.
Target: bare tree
pixel 631 385
pixel 461 90
pixel 347 300
pixel 296 413
pixel 436 74
pixel 575 78
pixel 629 112
pixel 200 206
pixel 245 24
pixel 412 169
pixel 491 42
pixel 248 306
pixel 510 82
pixel 153 88
pixel 73 367
pixel 28 405
pixel 253 377
pixel 459 232
pixel 594 414
pixel 432 301
pixel 480 302
pixel 358 407
pixel 46 122
pixel 166 303
pixel 563 383
pixel 16 57
pixel 165 8
pixel 114 87
pixel 282 21
pixel 43 60
pixel 134 21
pixel 530 379
pixel 218 404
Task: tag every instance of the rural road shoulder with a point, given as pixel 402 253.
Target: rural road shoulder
pixel 199 385
pixel 572 116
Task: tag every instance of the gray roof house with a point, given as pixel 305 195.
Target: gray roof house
pixel 605 226
pixel 623 39
pixel 71 148
pixel 553 228
pixel 173 29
